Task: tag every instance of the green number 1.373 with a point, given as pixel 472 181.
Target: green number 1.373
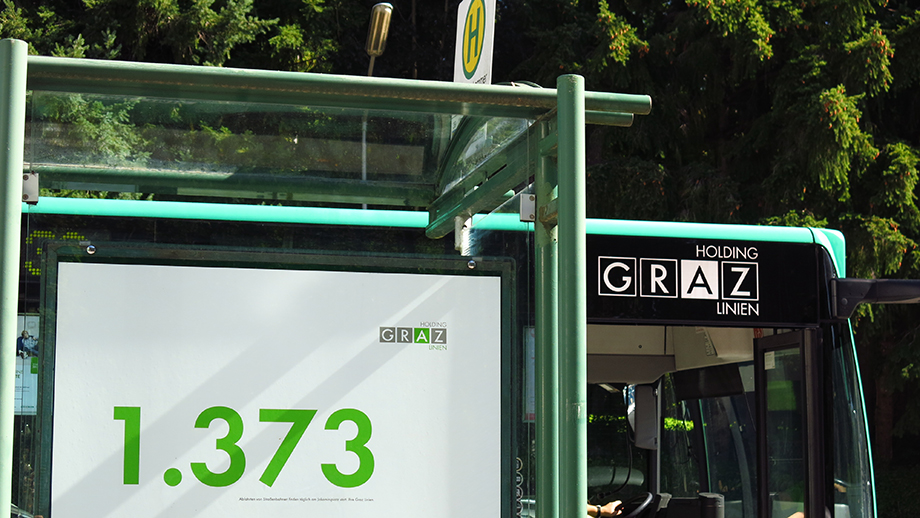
pixel 299 419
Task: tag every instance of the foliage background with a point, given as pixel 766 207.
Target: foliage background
pixel 794 112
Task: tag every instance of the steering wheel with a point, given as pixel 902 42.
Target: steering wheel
pixel 635 506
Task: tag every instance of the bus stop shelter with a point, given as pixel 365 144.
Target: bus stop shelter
pixel 211 144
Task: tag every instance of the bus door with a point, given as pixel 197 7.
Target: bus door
pixel 790 441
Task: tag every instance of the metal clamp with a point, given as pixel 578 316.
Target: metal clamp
pixel 30 187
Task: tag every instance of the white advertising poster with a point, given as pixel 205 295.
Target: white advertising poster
pixel 231 392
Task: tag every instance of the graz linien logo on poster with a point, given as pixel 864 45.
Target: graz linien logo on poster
pixel 727 275
pixel 432 334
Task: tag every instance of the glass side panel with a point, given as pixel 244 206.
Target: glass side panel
pixel 179 149
pixel 28 346
pixel 174 149
pixel 489 235
pixel 852 486
pixel 680 451
pixel 784 429
pixel 731 445
pixel 617 469
pixel 709 444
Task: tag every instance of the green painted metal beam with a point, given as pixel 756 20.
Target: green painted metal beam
pixel 13 62
pixel 489 195
pixel 226 212
pixel 386 218
pixel 622 120
pixel 314 188
pixel 546 351
pixel 274 87
pixel 573 467
pixel 255 213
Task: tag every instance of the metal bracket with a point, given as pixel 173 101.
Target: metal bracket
pixel 462 226
pixel 528 207
pixel 30 187
pixel 549 145
pixel 549 213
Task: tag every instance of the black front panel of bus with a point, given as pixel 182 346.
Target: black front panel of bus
pixel 701 281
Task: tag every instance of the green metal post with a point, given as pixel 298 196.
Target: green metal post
pixel 547 339
pixel 572 296
pixel 13 59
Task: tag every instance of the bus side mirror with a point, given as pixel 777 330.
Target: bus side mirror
pixel 846 294
pixel 644 415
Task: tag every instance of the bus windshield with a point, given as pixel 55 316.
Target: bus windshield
pixel 740 429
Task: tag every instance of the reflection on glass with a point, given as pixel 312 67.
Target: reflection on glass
pixel 617 470
pixel 231 150
pixel 185 149
pixel 852 492
pixel 785 430
pixel 731 442
pixel 478 139
pixel 176 134
pixel 679 458
pixel 711 437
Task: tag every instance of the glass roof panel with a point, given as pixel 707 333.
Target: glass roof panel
pixel 476 139
pixel 172 132
pixel 245 151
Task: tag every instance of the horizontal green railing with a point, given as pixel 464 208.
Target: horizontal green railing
pixel 408 219
pixel 275 87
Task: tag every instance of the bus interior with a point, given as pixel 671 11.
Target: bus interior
pixel 681 422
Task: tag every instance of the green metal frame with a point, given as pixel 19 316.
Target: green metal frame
pixel 326 190
pixel 546 364
pixel 330 91
pixel 12 132
pixel 483 188
pixel 272 87
pixel 573 321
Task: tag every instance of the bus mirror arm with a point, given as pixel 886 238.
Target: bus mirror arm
pixel 849 293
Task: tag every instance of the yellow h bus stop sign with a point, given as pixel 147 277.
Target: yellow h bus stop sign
pixel 475 34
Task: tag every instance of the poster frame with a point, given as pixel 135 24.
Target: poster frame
pixel 268 258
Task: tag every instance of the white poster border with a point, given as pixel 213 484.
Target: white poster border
pixel 458 268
